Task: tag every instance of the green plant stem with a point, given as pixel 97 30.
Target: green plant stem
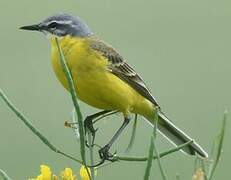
pixel 159 162
pixel 132 139
pixel 155 148
pixel 150 157
pixel 74 99
pixel 143 159
pixel 125 158
pixel 75 129
pixel 220 139
pixel 33 128
pixel 4 175
pixel 72 90
pixel 151 148
pixel 91 155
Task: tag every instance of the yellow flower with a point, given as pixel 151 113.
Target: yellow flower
pixel 83 173
pixel 198 175
pixel 67 174
pixel 45 173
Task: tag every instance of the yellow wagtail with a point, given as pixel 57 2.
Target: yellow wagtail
pixel 103 79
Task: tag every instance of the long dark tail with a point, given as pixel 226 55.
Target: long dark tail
pixel 178 137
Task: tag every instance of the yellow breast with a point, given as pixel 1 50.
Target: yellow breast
pixel 95 85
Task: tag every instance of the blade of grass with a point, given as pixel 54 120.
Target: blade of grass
pixel 155 148
pixel 151 148
pixel 33 128
pixel 219 144
pixel 160 163
pixel 150 157
pixel 75 102
pixel 132 139
pixel 4 175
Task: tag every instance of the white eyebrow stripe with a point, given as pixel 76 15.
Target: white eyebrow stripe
pixel 60 22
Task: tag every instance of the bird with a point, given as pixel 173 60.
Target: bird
pixel 104 79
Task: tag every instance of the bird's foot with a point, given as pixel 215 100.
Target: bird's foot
pixel 105 154
pixel 88 125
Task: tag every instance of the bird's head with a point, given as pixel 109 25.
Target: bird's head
pixel 61 25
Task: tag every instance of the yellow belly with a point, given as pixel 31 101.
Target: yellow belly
pixel 94 84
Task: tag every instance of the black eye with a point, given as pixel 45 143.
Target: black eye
pixel 53 25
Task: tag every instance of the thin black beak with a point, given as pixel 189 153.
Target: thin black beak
pixel 34 27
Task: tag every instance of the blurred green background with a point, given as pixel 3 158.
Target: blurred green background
pixel 181 48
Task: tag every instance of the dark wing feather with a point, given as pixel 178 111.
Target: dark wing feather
pixel 121 69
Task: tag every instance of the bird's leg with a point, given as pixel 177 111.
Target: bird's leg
pixel 88 123
pixel 104 151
